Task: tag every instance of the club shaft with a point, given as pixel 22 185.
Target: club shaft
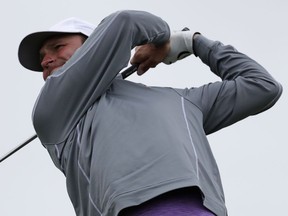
pixel 18 148
pixel 124 74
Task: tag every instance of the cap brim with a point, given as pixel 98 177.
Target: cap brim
pixel 28 52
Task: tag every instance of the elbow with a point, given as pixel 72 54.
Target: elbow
pixel 123 16
pixel 277 90
pixel 273 91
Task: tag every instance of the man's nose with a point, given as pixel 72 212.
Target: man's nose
pixel 46 61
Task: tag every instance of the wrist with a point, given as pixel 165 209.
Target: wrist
pixel 195 36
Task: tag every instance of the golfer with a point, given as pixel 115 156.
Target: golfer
pixel 129 149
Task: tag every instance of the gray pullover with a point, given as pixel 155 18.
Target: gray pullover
pixel 121 143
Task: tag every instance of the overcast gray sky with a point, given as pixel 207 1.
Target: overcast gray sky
pixel 252 154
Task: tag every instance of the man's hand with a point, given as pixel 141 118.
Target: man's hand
pixel 149 56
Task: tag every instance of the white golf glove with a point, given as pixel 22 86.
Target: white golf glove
pixel 181 45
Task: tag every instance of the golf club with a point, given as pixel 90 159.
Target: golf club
pixel 124 74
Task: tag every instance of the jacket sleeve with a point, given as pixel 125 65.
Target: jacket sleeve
pixel 246 87
pixel 72 90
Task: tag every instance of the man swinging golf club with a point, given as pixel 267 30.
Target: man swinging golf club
pixel 125 148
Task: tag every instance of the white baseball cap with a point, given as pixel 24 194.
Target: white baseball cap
pixel 28 52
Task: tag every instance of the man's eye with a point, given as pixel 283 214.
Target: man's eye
pixel 58 46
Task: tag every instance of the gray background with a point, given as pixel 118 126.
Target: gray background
pixel 252 154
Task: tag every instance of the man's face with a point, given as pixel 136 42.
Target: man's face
pixel 56 51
